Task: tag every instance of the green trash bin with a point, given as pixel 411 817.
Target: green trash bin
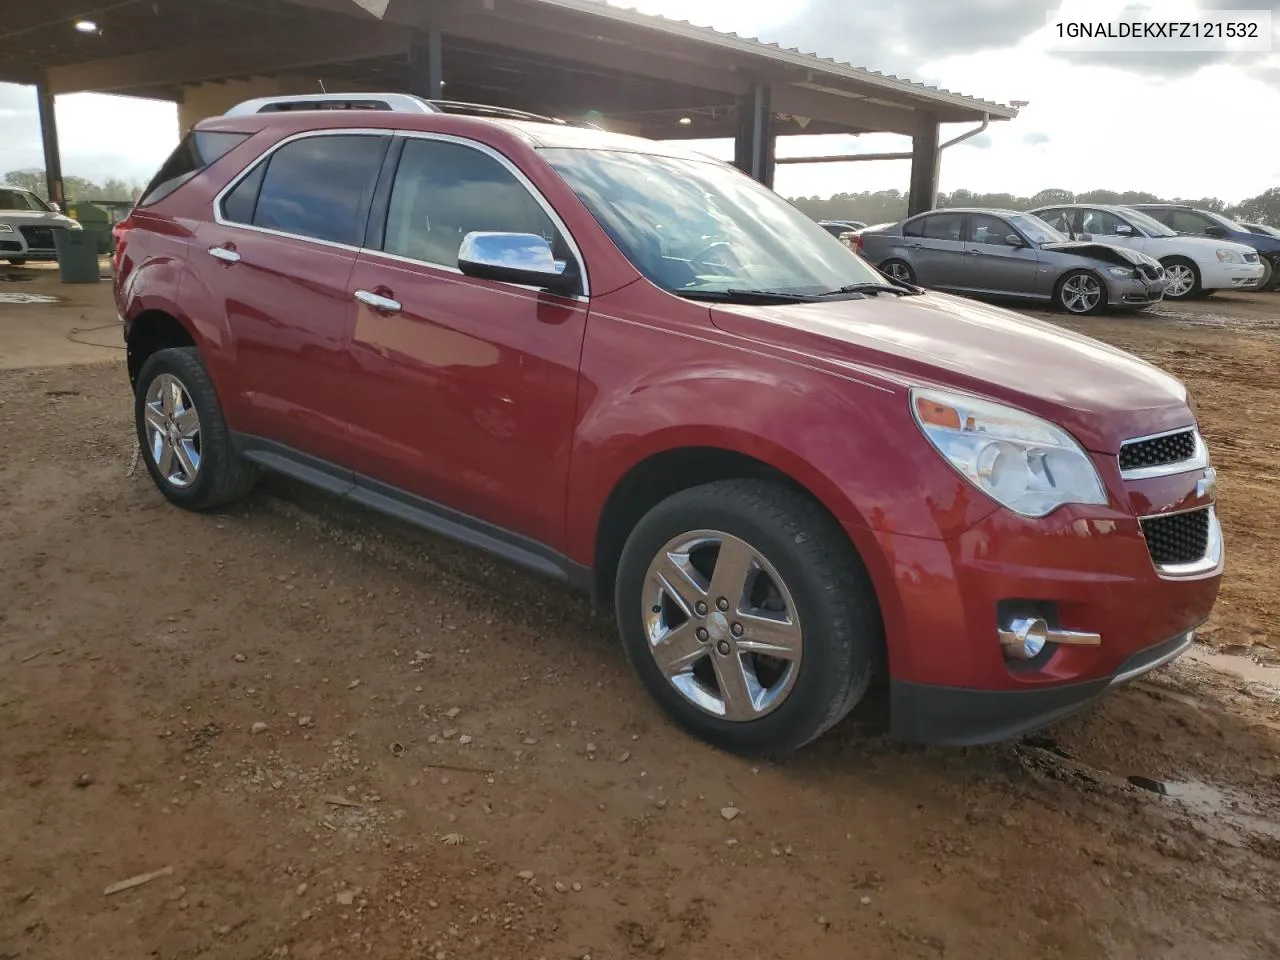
pixel 94 219
pixel 77 256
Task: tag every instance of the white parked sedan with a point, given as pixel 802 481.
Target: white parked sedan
pixel 1193 265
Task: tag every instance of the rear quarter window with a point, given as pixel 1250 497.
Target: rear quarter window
pixel 198 150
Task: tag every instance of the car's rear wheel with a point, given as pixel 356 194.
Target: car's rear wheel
pixel 748 615
pixel 1081 292
pixel 898 270
pixel 184 438
pixel 17 261
pixel 1182 278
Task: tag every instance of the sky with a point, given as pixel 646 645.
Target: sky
pixel 1177 124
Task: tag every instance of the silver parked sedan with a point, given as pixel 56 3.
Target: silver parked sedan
pixel 1005 253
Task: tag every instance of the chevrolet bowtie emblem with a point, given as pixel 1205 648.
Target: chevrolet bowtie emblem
pixel 1207 486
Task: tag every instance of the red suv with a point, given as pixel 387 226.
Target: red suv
pixel 638 371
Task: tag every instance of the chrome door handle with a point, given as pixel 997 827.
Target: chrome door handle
pixel 378 302
pixel 974 253
pixel 223 254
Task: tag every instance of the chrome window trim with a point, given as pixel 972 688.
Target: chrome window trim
pixel 403 134
pixel 1214 559
pixel 264 157
pixel 1199 458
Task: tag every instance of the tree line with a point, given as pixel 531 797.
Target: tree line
pixel 75 188
pixel 883 206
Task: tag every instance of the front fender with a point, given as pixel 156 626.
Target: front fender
pixel 850 442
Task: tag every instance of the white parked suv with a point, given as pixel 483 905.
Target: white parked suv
pixel 1194 265
pixel 27 226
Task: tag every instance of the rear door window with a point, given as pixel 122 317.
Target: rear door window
pixel 198 150
pixel 318 187
pixel 937 226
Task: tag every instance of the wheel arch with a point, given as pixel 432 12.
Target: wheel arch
pixel 152 330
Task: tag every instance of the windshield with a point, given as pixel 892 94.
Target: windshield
pixel 1148 225
pixel 1226 222
pixel 1035 229
pixel 695 226
pixel 21 200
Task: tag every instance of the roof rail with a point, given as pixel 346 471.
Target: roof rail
pixel 396 102
pixel 485 110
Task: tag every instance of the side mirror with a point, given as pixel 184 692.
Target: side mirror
pixel 1219 232
pixel 1014 240
pixel 523 258
pixel 1124 230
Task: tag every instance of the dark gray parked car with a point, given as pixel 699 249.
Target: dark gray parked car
pixel 1004 253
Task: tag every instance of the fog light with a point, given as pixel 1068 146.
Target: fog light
pixel 1024 638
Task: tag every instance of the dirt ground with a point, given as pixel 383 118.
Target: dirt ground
pixel 343 738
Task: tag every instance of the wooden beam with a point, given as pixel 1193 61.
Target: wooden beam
pixel 297 48
pixel 848 111
pixel 610 54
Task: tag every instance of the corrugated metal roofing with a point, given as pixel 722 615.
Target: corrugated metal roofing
pixel 752 46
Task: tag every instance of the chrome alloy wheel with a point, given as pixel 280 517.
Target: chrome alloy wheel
pixel 1180 280
pixel 898 271
pixel 722 625
pixel 173 430
pixel 1081 293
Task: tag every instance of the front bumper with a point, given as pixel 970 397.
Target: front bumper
pixel 1135 292
pixel 1085 570
pixel 962 717
pixel 1231 276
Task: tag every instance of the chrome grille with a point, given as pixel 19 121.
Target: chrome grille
pixel 1177 538
pixel 1158 451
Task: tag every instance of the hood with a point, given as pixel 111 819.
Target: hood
pixel 34 217
pixel 1102 395
pixel 1120 256
pixel 1207 245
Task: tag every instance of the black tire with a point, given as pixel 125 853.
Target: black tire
pixel 223 476
pixel 908 275
pixel 826 579
pixel 1061 299
pixel 1268 275
pixel 1182 263
pixel 17 261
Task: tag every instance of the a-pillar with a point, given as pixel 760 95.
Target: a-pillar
pixel 426 66
pixel 924 166
pixel 49 137
pixel 753 148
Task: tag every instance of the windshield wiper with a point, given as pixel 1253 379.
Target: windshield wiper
pixel 872 288
pixel 745 296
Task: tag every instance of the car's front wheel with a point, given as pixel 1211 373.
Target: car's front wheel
pixel 748 615
pixel 1081 292
pixel 1182 278
pixel 17 261
pixel 184 438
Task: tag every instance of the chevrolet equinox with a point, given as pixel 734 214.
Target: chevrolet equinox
pixel 638 371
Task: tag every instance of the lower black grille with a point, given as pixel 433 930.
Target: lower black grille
pixel 1171 448
pixel 1178 537
pixel 12 245
pixel 38 238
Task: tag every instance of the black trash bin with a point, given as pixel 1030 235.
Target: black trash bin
pixel 77 256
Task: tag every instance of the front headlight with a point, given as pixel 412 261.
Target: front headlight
pixel 1124 273
pixel 74 225
pixel 1229 256
pixel 1020 461
pixel 5 228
